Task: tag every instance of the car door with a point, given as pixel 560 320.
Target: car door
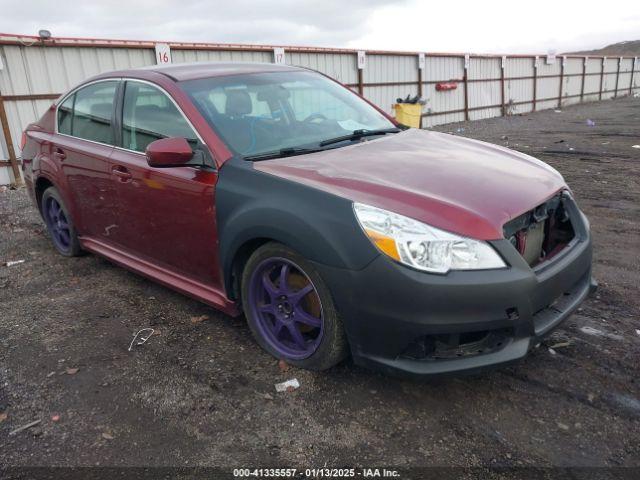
pixel 165 216
pixel 81 148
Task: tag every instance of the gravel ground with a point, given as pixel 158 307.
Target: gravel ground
pixel 201 392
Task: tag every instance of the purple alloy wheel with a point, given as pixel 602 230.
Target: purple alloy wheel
pixel 57 224
pixel 287 308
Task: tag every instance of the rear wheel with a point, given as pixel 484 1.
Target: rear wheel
pixel 290 310
pixel 59 223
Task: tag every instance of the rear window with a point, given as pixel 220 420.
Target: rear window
pixel 88 113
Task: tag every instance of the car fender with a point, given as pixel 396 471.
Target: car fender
pixel 320 226
pixel 45 167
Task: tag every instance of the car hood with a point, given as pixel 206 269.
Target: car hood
pixel 454 183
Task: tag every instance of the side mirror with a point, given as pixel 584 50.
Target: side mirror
pixel 168 152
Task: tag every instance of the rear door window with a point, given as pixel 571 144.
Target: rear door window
pixel 149 115
pixel 92 113
pixel 65 115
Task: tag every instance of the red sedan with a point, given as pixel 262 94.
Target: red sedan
pixel 276 192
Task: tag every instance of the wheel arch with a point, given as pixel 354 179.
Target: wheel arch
pixel 248 233
pixel 41 184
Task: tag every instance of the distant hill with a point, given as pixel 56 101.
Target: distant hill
pixel 631 47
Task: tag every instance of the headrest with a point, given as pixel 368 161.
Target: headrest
pixel 238 103
pixel 101 110
pixel 279 93
pixel 147 111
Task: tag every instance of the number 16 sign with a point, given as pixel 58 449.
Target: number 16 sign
pixel 163 53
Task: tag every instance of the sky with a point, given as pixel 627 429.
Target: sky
pixel 487 26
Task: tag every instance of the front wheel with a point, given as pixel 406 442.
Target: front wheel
pixel 290 310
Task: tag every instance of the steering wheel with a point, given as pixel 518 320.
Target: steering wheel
pixel 315 116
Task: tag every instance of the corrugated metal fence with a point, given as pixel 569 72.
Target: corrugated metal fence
pixel 33 72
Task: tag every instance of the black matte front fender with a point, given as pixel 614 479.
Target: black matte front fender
pixel 254 205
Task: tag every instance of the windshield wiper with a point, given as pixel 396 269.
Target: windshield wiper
pixel 283 152
pixel 291 151
pixel 358 134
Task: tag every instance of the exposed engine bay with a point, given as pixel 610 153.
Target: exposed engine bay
pixel 541 233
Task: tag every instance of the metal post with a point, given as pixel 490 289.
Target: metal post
pixel 502 67
pixel 466 87
pixel 564 59
pixel 604 59
pixel 584 74
pixel 617 77
pixel 535 82
pixel 633 70
pixel 360 83
pixel 420 92
pixel 13 160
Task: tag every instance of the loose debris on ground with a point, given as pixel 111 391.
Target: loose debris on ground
pixel 202 393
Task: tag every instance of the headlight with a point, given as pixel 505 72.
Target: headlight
pixel 422 246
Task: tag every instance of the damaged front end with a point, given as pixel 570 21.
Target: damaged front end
pixel 543 232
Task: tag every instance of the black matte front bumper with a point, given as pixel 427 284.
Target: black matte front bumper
pixel 387 306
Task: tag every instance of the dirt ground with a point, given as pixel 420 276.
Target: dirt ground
pixel 202 393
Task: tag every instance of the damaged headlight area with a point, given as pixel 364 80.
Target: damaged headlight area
pixel 422 246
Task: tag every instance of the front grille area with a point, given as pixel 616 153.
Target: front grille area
pixel 456 345
pixel 541 233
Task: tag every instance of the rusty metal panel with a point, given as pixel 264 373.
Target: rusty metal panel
pixel 188 56
pixel 485 93
pixel 13 77
pixel 594 65
pixel 391 68
pixel 484 67
pixel 625 76
pixel 519 67
pixel 545 69
pixel 593 69
pixel 443 68
pixel 518 90
pixel 573 66
pixel 439 69
pixel 572 81
pixel 548 83
pixel 341 66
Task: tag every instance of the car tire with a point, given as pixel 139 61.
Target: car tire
pixel 296 321
pixel 59 223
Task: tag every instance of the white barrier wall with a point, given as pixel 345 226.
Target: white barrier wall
pixel 33 73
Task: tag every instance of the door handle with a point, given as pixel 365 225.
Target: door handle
pixel 122 172
pixel 59 154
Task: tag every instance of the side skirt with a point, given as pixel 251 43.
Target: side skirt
pixel 174 281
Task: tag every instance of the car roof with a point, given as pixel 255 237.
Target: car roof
pixel 192 71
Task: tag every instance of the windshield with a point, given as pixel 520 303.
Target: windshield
pixel 266 112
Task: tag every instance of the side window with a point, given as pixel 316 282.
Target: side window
pixel 149 115
pixel 65 115
pixel 92 112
